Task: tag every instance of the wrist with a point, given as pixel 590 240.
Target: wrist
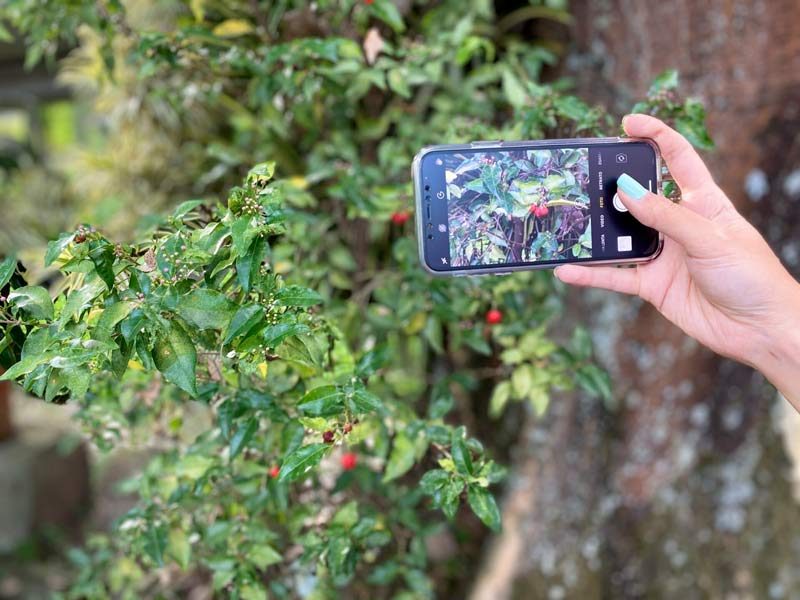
pixel 778 355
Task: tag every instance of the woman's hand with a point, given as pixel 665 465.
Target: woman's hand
pixel 716 279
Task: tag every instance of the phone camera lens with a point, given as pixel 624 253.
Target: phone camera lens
pixel 430 236
pixel 427 187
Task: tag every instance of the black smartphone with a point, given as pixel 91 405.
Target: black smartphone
pixel 494 207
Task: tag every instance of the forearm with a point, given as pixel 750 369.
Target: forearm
pixel 779 359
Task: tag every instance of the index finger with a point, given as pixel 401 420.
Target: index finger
pixel 685 165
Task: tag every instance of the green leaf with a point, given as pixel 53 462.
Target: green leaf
pixel 7 268
pixel 295 295
pixel 206 309
pixel 398 83
pixel 185 208
pixel 433 481
pixel 111 316
pixel 449 497
pixel 244 320
pixel 324 401
pixel 263 556
pixel 401 459
pixel 595 380
pixel 695 131
pixel 460 453
pixel 302 460
pixel 364 401
pixel 155 542
pixel 34 300
pixel 514 90
pixel 261 173
pixel 5 34
pixel 242 234
pixel 179 548
pixel 340 558
pixel 56 247
pixel 500 396
pixel 484 506
pixel 81 298
pixel 193 466
pixel 347 516
pixel 373 360
pixel 175 356
pixel 248 265
pixel 666 80
pixel 253 592
pixel 25 366
pixel 242 437
pixel 386 11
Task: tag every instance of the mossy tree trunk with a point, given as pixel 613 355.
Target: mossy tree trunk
pixel 684 491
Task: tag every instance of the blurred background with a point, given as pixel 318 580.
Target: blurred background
pixel 689 489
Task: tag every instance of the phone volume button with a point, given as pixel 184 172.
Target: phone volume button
pixel 486 144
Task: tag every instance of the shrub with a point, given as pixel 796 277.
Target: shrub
pixel 294 315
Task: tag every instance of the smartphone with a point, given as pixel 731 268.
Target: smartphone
pixel 496 207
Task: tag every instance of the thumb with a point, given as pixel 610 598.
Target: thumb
pixel 686 227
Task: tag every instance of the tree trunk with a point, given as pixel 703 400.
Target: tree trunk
pixel 684 490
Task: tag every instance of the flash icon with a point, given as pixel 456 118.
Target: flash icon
pixel 444 260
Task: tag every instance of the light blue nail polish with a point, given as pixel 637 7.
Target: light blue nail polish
pixel 630 186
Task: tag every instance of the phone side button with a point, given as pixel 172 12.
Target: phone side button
pixel 486 144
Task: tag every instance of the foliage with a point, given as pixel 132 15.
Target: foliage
pixel 519 206
pixel 293 316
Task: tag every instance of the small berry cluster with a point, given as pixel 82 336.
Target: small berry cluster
pixel 83 232
pixel 329 436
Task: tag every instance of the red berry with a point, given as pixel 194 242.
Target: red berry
pixel 80 238
pixel 494 316
pixel 542 211
pixel 327 437
pixel 368 1
pixel 349 461
pixel 348 427
pixel 274 471
pixel 400 217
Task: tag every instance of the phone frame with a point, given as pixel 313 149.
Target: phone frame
pixel 416 172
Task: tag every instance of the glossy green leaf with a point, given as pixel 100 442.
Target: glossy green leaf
pixel 484 506
pixel 244 320
pixel 263 556
pixel 175 356
pixel 206 309
pixel 33 300
pixel 401 459
pixel 7 268
pixel 324 401
pixel 460 453
pixel 302 460
pixel 295 295
pixel 242 437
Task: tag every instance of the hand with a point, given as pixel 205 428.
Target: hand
pixel 716 278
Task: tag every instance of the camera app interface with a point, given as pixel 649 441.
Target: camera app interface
pixel 534 205
pixel 518 206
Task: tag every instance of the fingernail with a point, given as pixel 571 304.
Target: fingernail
pixel 630 186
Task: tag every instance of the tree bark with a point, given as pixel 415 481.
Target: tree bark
pixel 684 489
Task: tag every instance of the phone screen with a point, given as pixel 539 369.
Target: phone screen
pixel 496 208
